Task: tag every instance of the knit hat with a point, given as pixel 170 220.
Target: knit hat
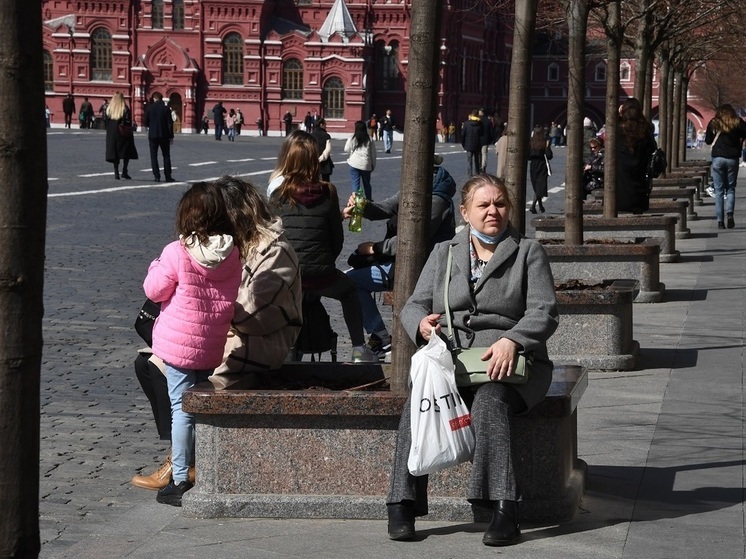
pixel 587 122
pixel 437 159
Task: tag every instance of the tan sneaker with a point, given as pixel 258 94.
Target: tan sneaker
pixel 160 478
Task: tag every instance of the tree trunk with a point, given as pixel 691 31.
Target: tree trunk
pixel 673 155
pixel 518 109
pixel 613 44
pixel 577 19
pixel 417 174
pixel 664 106
pixel 682 119
pixel 23 191
pixel 642 52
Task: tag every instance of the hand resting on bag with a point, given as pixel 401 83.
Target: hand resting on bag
pixel 503 355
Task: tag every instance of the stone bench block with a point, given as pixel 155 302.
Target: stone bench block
pixel 595 328
pixel 622 227
pixel 658 206
pixel 638 260
pixel 698 182
pixel 327 454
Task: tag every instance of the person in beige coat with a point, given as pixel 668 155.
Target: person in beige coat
pixel 502 298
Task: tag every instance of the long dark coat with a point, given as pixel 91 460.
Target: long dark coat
pixel 119 147
pixel 539 172
pixel 514 298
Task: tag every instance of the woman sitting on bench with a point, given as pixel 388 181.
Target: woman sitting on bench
pixel 502 297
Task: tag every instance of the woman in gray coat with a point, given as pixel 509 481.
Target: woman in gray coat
pixel 502 297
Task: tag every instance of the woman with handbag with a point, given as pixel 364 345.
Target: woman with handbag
pixel 502 299
pixel 538 157
pixel 120 140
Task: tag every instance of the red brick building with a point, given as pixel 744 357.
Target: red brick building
pixel 343 59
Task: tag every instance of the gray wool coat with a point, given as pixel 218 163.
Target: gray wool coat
pixel 514 298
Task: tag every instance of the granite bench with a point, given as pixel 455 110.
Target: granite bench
pixel 622 227
pixel 323 453
pixel 658 206
pixel 699 183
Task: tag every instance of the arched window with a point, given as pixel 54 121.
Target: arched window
pixel 334 98
pixel 177 18
pixel 292 79
pixel 600 72
pixel 233 59
pixel 156 17
pixel 624 72
pixel 48 72
pixel 101 55
pixel 553 72
pixel 387 62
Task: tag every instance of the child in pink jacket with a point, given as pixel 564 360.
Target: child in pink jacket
pixel 196 281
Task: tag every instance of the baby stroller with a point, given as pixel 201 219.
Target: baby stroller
pixel 316 336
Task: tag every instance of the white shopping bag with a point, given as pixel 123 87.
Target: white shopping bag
pixel 442 435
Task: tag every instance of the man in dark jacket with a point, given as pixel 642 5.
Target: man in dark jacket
pixel 471 141
pixel 68 107
pixel 374 263
pixel 218 117
pixel 160 135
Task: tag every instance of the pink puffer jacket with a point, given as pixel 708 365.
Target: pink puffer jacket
pixel 197 288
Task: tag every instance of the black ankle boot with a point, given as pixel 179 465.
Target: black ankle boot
pixel 504 529
pixel 401 522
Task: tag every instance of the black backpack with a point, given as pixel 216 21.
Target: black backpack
pixel 657 164
pixel 316 336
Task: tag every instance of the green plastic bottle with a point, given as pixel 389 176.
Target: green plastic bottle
pixel 356 217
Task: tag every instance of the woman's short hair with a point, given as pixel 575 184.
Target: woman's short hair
pixel 480 180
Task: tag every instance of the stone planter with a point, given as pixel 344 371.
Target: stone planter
pixel 306 453
pixel 699 182
pixel 595 328
pixel 658 206
pixel 638 260
pixel 622 227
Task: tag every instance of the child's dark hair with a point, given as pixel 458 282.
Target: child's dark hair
pixel 201 211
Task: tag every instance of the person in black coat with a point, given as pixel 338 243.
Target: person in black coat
pixel 539 154
pixel 634 150
pixel 471 141
pixel 68 108
pixel 218 117
pixel 120 140
pixel 324 143
pixel 160 135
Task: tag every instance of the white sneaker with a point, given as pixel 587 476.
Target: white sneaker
pixel 710 191
pixel 363 354
pixel 742 164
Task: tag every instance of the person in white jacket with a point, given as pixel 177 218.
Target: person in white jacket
pixel 362 158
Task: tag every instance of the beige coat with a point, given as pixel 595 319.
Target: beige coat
pixel 267 316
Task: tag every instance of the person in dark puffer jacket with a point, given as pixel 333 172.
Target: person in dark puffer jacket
pixel 471 141
pixel 312 221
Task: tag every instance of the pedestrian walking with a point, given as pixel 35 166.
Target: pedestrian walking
pixel 120 139
pixel 160 136
pixel 361 150
pixel 725 133
pixel 68 109
pixel 471 141
pixel 388 124
pixel 218 118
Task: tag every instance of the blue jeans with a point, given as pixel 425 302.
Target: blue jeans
pixel 182 423
pixel 370 280
pixel 724 175
pixel 388 139
pixel 357 175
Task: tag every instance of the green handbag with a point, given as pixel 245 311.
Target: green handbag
pixel 470 369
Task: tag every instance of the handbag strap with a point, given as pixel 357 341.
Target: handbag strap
pixel 449 263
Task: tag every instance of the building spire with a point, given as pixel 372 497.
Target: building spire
pixel 338 21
